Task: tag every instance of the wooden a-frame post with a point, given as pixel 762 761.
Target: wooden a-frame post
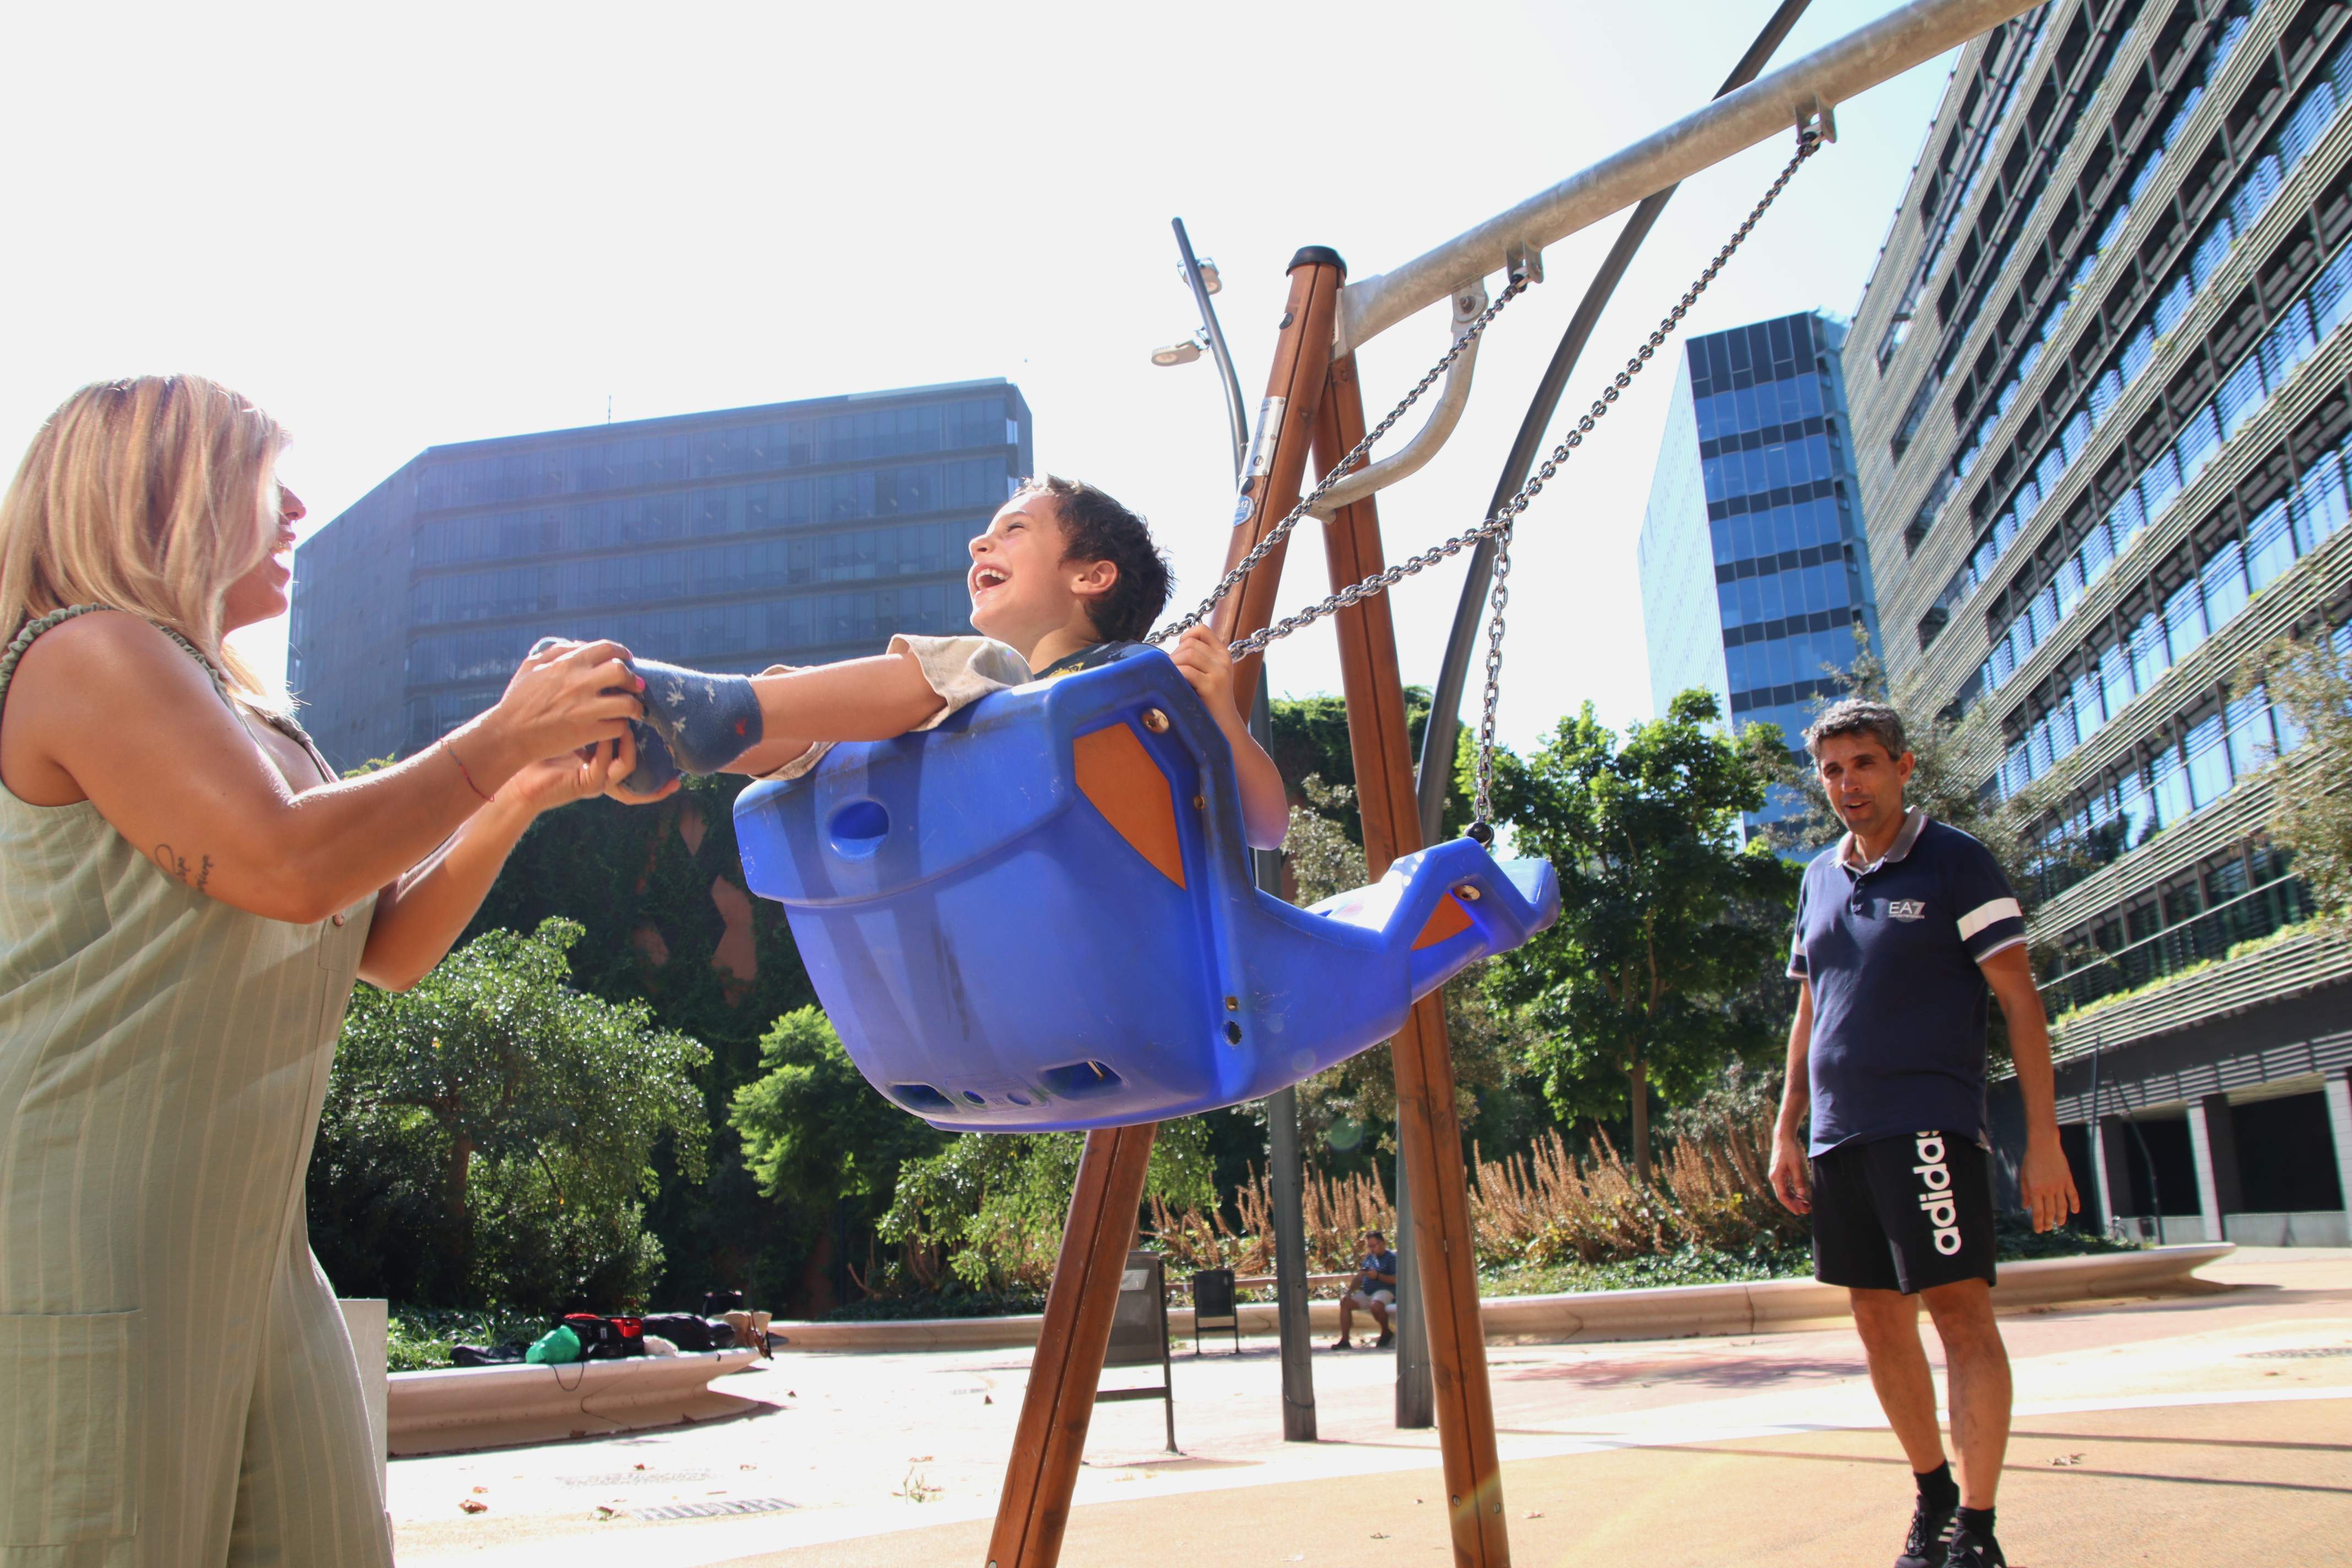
pixel 1312 404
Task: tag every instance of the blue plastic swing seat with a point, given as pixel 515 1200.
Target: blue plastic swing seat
pixel 1039 916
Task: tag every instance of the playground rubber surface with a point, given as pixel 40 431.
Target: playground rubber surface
pixel 2211 1428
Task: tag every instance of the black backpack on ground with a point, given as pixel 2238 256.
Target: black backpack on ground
pixel 606 1339
pixel 689 1332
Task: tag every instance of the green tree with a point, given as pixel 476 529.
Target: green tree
pixel 815 1132
pixel 2310 681
pixel 1646 981
pixel 1352 1106
pixel 986 1211
pixel 511 1118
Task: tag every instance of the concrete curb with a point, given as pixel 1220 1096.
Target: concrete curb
pixel 455 1408
pixel 1668 1312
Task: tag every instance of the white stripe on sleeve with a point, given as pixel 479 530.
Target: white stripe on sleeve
pixel 1985 914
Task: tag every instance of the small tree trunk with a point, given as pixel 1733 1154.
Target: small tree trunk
pixel 1641 1077
pixel 454 1206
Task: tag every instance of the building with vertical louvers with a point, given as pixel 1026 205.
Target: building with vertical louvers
pixel 2102 390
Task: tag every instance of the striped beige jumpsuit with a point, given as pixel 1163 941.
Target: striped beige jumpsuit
pixel 176 1386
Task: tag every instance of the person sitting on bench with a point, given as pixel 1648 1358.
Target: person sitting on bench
pixel 1374 1291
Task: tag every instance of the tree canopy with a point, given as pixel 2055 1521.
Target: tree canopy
pixel 1647 981
pixel 512 1120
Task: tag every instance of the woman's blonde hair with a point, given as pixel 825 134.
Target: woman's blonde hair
pixel 145 495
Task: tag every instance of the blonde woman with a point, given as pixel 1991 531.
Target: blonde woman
pixel 186 894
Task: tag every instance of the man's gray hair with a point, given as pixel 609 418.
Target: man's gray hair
pixel 1857 716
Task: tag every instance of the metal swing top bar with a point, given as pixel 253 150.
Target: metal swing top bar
pixel 1730 125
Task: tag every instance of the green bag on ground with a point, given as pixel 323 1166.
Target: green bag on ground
pixel 554 1348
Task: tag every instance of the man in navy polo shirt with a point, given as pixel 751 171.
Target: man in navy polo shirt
pixel 1902 927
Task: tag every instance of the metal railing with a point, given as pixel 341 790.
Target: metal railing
pixel 2202 939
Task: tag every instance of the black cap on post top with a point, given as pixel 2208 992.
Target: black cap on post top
pixel 1317 255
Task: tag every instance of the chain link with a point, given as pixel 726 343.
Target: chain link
pixel 1497 527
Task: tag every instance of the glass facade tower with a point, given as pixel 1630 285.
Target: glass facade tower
pixel 1754 568
pixel 2101 427
pixel 789 533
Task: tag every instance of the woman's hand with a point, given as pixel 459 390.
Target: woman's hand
pixel 595 769
pixel 562 698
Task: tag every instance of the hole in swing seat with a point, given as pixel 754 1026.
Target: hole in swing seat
pixel 976 1100
pixel 859 828
pixel 1078 1081
pixel 921 1097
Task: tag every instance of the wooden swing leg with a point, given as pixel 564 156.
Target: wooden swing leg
pixel 1429 1129
pixel 1034 1507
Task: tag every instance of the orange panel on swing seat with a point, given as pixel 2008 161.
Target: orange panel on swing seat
pixel 1040 914
pixel 1119 776
pixel 1448 919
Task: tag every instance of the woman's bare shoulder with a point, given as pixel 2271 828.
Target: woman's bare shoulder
pixel 98 649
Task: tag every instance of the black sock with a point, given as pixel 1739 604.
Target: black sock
pixel 1937 1487
pixel 707 719
pixel 1977 1521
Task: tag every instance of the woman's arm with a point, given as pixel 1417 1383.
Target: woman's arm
pixel 107 709
pixel 418 917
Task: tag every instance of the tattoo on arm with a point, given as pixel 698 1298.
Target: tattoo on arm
pixel 175 865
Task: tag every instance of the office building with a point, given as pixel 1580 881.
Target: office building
pixel 1754 568
pixel 788 533
pixel 2101 388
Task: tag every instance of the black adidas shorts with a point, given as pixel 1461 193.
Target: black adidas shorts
pixel 1903 1213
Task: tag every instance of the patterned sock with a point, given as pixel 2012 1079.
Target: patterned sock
pixel 1937 1487
pixel 707 719
pixel 656 767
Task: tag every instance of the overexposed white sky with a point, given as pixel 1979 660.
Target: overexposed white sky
pixel 397 226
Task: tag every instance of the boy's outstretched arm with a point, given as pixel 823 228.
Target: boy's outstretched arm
pixel 1208 667
pixel 856 700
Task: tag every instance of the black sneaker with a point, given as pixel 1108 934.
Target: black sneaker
pixel 1924 1547
pixel 1344 1345
pixel 1388 1338
pixel 1972 1549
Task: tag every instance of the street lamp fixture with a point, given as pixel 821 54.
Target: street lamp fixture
pixel 1210 282
pixel 1184 352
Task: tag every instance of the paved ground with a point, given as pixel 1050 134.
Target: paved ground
pixel 2228 1415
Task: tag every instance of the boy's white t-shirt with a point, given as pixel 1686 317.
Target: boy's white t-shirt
pixel 961 669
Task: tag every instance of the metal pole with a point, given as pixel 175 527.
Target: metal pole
pixel 1730 125
pixel 1416 1398
pixel 1236 414
pixel 1442 733
pixel 1288 1171
pixel 1287 1168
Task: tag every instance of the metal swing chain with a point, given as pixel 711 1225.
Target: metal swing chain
pixel 1498 526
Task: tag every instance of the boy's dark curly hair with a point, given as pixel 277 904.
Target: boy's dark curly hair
pixel 1097 528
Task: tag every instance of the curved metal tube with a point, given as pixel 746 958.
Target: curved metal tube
pixel 1444 414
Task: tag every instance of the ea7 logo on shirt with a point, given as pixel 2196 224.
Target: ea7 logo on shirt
pixel 1906 909
pixel 1936 1192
